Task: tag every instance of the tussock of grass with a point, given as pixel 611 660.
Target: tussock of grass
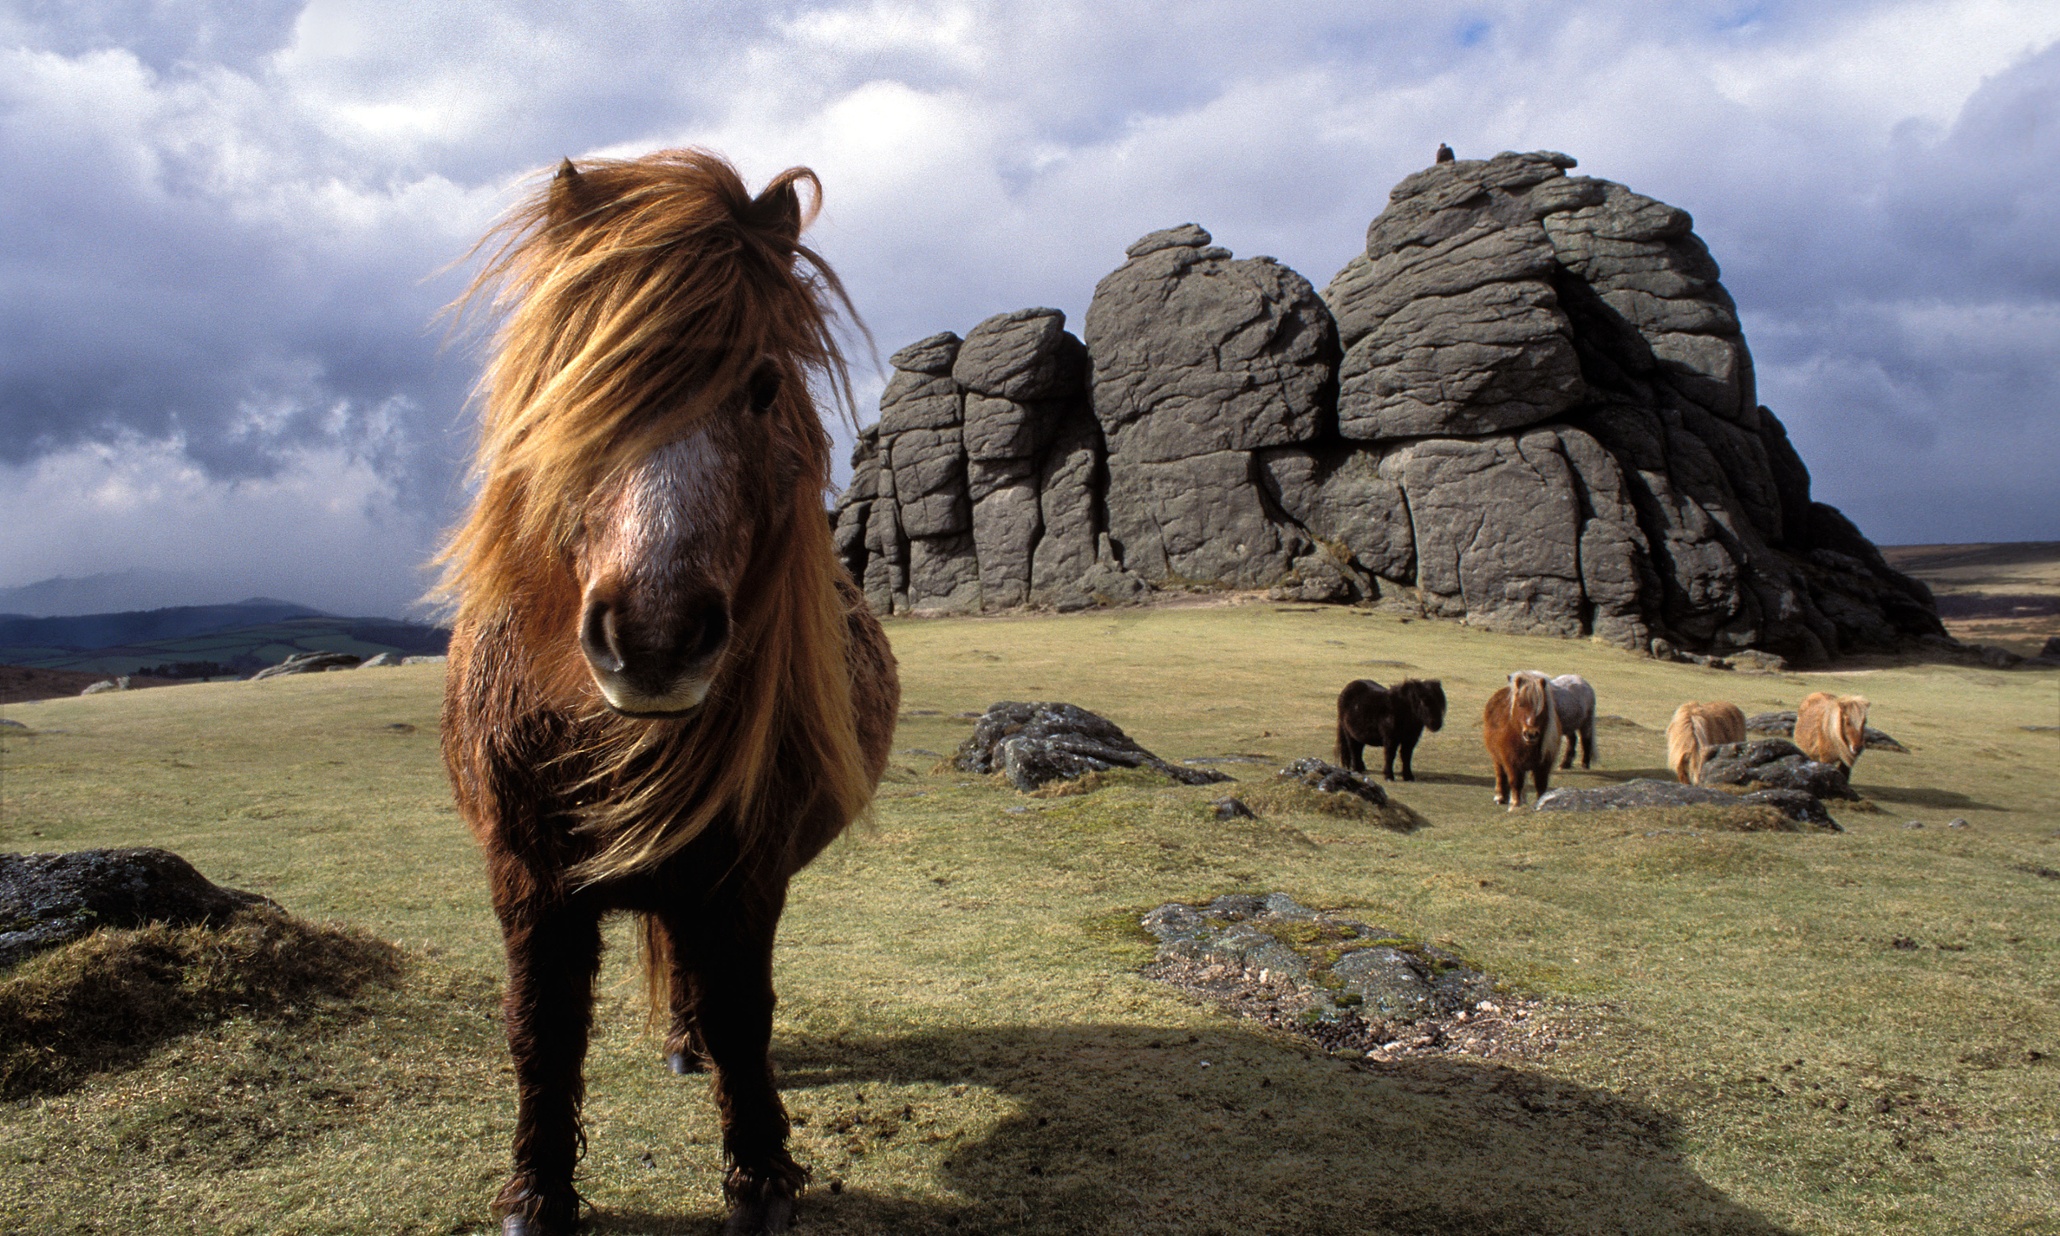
pixel 1088 783
pixel 104 1001
pixel 1708 817
pixel 1290 797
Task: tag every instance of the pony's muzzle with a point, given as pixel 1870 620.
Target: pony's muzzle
pixel 653 666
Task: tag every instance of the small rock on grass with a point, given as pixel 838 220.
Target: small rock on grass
pixel 1036 744
pixel 1350 988
pixel 1330 779
pixel 49 899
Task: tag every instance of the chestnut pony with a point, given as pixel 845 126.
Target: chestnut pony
pixel 1697 726
pixel 1520 727
pixel 1832 728
pixel 1574 702
pixel 665 696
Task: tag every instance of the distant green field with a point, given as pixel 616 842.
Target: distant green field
pixel 1756 1032
pixel 253 646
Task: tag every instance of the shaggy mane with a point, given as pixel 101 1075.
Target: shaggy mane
pixel 636 299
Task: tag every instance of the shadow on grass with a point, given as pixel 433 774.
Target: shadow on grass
pixel 1446 778
pixel 107 1000
pixel 1634 774
pixel 1925 796
pixel 1130 1129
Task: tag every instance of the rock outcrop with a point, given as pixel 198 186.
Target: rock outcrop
pixel 1526 405
pixel 309 663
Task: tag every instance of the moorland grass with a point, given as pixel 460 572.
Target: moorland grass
pixel 1755 1031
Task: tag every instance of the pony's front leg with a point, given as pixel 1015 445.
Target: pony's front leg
pixel 729 964
pixel 553 953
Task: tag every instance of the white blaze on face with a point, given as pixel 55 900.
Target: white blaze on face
pixel 663 560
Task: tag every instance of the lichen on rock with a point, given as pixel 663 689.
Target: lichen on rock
pixel 1346 984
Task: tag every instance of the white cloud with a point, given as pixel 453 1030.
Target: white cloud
pixel 221 217
pixel 323 529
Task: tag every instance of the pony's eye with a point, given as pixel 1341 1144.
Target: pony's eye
pixel 764 388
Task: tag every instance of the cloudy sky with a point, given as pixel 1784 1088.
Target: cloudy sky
pixel 223 224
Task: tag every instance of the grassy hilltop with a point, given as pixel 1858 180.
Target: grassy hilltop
pixel 1740 1042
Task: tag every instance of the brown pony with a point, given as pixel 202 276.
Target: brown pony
pixel 1521 729
pixel 1832 729
pixel 665 696
pixel 1697 726
pixel 1393 717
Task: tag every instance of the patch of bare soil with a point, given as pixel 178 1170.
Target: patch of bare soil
pixel 21 683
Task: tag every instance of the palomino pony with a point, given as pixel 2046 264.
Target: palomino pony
pixel 1697 726
pixel 1832 729
pixel 1574 700
pixel 665 695
pixel 1520 727
pixel 1393 717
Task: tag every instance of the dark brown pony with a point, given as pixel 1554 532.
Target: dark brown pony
pixel 1395 718
pixel 665 696
pixel 1521 729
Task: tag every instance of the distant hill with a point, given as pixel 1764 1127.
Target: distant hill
pixel 2005 593
pixel 88 631
pixel 202 641
pixel 115 591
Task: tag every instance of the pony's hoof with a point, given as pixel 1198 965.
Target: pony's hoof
pixel 681 1063
pixel 761 1217
pixel 523 1225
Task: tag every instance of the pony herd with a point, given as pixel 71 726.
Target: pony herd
pixel 1535 720
pixel 1524 726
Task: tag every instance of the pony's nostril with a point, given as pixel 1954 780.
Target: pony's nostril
pixel 703 633
pixel 600 640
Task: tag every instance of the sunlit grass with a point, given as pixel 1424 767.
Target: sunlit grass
pixel 963 1037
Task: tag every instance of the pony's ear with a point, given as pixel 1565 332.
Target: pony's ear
pixel 777 213
pixel 571 196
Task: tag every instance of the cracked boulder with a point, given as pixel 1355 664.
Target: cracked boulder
pixel 1199 359
pixel 1772 763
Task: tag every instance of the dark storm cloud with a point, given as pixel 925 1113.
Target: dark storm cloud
pixel 219 239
